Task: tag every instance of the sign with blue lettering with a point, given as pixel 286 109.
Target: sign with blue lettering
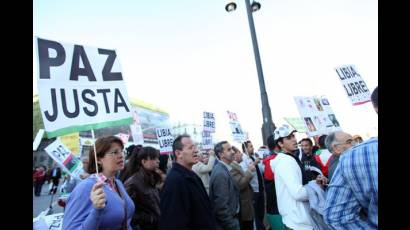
pixel 209 122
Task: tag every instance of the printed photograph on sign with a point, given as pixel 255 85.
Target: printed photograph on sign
pixel 318 105
pixel 333 119
pixel 309 124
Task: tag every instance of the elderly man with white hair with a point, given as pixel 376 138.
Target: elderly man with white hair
pixel 337 142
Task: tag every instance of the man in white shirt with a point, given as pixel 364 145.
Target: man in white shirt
pixel 256 183
pixel 204 167
pixel 290 181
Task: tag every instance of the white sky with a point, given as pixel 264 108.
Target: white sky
pixel 188 56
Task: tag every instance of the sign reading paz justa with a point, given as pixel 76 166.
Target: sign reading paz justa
pixel 353 84
pixel 165 140
pixel 209 122
pixel 80 88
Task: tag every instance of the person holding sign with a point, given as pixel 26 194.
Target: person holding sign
pixel 100 201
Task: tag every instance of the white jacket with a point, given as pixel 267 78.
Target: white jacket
pixel 203 170
pixel 292 197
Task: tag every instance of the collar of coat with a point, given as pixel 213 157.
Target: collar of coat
pixel 181 169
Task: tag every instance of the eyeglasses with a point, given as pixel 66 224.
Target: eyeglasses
pixel 116 153
pixel 348 142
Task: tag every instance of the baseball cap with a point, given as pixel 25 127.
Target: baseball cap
pixel 283 131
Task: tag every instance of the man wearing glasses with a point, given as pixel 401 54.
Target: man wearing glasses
pixel 337 142
pixel 352 197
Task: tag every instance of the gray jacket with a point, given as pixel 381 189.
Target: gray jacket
pixel 224 196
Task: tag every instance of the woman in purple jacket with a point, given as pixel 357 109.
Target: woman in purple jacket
pixel 100 201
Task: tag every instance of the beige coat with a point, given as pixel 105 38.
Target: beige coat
pixel 203 170
pixel 242 179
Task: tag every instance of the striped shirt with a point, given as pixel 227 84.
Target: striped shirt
pixel 352 200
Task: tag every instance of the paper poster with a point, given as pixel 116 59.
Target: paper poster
pixel 209 122
pixel 237 132
pixel 165 140
pixel 353 84
pixel 317 115
pixel 64 158
pixel 207 141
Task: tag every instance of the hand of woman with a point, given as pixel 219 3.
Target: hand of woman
pixel 97 195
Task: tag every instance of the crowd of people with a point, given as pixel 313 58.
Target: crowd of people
pixel 298 185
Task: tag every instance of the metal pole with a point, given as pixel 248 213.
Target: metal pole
pixel 268 126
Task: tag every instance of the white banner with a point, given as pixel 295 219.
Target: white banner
pixel 207 141
pixel 317 115
pixel 236 129
pixel 209 122
pixel 165 140
pixel 354 85
pixel 64 158
pixel 80 88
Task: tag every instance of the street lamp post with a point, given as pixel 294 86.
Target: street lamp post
pixel 267 126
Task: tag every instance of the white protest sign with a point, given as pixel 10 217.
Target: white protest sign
pixel 209 122
pixel 165 140
pixel 63 156
pixel 55 221
pixel 136 129
pixel 38 138
pixel 236 129
pixel 80 88
pixel 317 115
pixel 354 85
pixel 207 141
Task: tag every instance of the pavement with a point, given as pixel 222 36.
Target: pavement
pixel 42 202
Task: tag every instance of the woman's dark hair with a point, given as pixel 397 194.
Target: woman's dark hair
pixel 102 145
pixel 135 161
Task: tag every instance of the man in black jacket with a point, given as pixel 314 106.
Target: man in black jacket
pixel 184 202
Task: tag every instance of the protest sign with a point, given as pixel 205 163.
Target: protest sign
pixel 55 221
pixel 209 122
pixel 165 140
pixel 237 133
pixel 317 115
pixel 354 85
pixel 64 158
pixel 207 141
pixel 80 88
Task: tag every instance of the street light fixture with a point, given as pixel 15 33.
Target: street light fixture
pixel 268 127
pixel 231 6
